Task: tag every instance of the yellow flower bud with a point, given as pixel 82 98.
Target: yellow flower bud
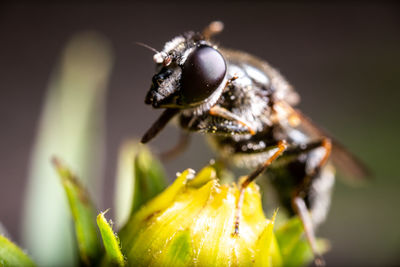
pixel 192 223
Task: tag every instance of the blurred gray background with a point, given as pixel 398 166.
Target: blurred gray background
pixel 344 60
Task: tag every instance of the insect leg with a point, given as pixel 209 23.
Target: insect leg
pixel 181 146
pixel 298 201
pixel 304 215
pixel 224 113
pixel 281 147
pixel 159 124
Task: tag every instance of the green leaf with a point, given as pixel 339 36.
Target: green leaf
pixel 83 214
pixel 293 245
pixel 288 235
pixel 140 177
pixel 150 179
pixel 12 255
pixel 301 253
pixel 110 241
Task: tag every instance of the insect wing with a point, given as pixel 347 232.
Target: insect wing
pixel 352 168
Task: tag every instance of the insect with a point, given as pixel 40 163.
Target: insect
pixel 246 108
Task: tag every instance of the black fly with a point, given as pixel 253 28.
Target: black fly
pixel 246 108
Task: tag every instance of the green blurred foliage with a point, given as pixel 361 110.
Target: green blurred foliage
pixel 12 255
pixel 71 127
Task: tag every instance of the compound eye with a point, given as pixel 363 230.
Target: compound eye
pixel 202 73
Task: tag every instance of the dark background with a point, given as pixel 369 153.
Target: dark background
pixel 344 60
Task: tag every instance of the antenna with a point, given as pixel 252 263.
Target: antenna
pixel 147 46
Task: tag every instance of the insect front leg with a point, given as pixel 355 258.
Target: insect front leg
pixel 159 124
pixel 280 148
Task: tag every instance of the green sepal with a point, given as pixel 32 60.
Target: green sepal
pixel 83 214
pixel 111 241
pixel 149 178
